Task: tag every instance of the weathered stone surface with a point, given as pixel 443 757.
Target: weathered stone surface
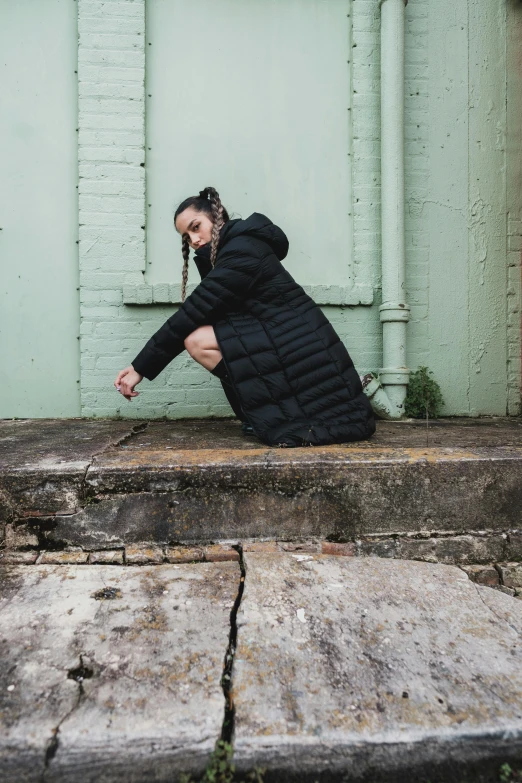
pixel 139 554
pixel 343 550
pixel 62 558
pixel 457 549
pixel 387 547
pixel 374 669
pixel 20 536
pixel 332 492
pixel 14 557
pixel 220 553
pixel 106 556
pixel 514 546
pixel 299 546
pixel 112 673
pixel 261 547
pixel 43 462
pixel 482 575
pixel 504 589
pixel 103 485
pixel 511 574
pixel 183 554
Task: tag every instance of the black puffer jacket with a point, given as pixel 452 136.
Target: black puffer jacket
pixel 293 375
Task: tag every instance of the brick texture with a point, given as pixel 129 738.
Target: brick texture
pixel 514 254
pixel 112 245
pixel 112 203
pixel 111 138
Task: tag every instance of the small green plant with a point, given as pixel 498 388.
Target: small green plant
pixel 424 397
pixel 221 769
pixel 504 775
pixel 507 774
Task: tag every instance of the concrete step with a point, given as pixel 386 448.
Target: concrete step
pixel 112 673
pixel 449 492
pixel 344 669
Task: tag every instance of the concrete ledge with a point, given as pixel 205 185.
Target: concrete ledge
pixel 197 482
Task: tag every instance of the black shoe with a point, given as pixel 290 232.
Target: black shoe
pixel 247 429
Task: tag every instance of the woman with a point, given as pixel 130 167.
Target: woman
pixel 285 372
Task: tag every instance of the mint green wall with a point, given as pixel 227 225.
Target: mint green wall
pixel 39 312
pixel 146 137
pixel 262 113
pixel 459 281
pixel 467 205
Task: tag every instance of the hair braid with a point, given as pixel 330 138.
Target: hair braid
pixel 208 202
pixel 218 220
pixel 185 252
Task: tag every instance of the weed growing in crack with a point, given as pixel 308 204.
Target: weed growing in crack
pixel 507 774
pixel 221 769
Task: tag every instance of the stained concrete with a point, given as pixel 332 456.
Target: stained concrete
pixel 198 481
pixel 112 673
pixel 375 670
pixel 43 462
pixel 346 669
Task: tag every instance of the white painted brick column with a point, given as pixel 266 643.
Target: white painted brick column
pixel 367 162
pixel 111 124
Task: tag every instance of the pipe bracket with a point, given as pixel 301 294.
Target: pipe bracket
pixel 394 376
pixel 394 311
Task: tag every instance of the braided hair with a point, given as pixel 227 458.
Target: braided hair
pixel 207 201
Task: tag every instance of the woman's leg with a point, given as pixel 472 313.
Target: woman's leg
pixel 203 347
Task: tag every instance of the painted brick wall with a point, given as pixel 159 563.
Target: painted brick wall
pixel 514 217
pixel 112 213
pixel 112 145
pixel 417 179
pixel 513 312
pixel 111 122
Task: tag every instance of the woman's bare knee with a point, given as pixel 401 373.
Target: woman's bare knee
pixel 202 345
pixel 193 343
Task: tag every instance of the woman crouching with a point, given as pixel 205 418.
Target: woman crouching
pixel 284 369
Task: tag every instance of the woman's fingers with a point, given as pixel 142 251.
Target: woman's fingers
pixel 127 389
pixel 121 375
pixel 125 382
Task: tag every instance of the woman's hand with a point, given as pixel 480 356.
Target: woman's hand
pixel 126 380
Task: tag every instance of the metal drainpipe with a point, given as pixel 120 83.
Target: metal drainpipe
pixel 388 400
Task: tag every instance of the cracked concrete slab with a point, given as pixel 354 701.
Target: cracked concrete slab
pixel 372 669
pixel 197 481
pixel 195 496
pixel 112 673
pixel 43 462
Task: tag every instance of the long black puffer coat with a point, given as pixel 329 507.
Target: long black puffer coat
pixel 293 375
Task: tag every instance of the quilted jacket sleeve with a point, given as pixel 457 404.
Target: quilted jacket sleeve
pixel 223 290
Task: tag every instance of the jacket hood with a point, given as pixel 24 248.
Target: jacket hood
pixel 256 226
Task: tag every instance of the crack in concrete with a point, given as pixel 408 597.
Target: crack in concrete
pixel 227 728
pixel 493 612
pixel 53 744
pixel 136 429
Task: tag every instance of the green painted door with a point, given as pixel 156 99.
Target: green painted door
pixel 39 312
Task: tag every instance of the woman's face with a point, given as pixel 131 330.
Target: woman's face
pixel 194 225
